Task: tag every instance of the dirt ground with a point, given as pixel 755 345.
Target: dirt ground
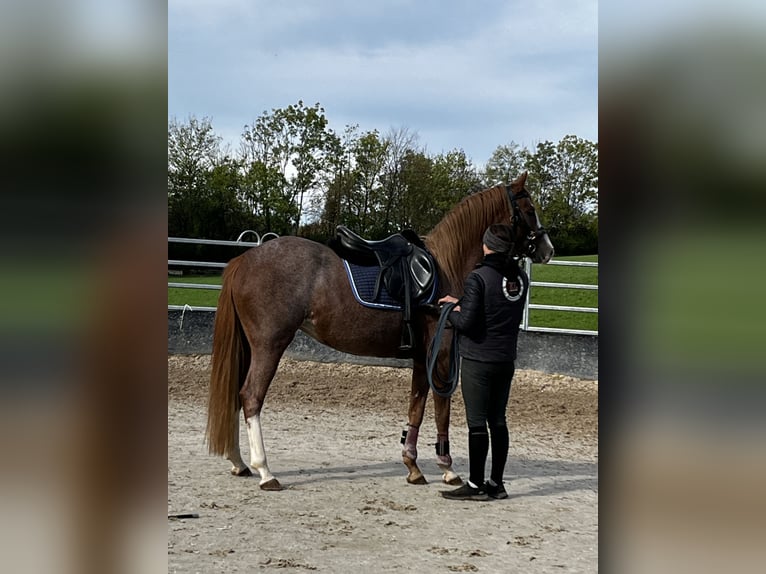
pixel 332 439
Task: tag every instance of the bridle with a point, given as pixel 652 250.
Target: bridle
pixel 536 231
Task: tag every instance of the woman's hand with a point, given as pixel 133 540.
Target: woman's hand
pixel 449 299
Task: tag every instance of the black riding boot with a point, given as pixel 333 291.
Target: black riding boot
pixel 478 446
pixel 499 438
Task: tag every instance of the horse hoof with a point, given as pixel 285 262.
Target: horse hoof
pixel 454 481
pixel 272 484
pixel 419 480
pixel 242 472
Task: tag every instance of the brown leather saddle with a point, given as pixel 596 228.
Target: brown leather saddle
pixel 406 269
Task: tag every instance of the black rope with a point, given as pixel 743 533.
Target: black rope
pixel 433 355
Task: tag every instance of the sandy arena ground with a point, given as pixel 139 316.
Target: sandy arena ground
pixel 332 439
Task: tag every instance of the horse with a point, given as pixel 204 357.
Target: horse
pixel 292 283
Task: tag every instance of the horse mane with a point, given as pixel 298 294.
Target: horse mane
pixel 457 237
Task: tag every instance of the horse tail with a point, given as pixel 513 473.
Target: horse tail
pixel 231 354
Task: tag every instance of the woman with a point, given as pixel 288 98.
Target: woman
pixel 487 319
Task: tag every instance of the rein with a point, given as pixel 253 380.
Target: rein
pixel 433 355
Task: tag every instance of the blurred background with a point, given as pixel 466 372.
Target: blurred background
pixel 83 336
pixel 83 109
pixel 682 116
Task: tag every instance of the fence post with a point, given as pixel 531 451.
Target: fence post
pixel 525 316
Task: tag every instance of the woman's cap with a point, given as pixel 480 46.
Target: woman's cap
pixel 496 243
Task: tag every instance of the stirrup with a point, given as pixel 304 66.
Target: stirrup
pixel 407 342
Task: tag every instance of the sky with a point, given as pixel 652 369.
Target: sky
pixel 470 75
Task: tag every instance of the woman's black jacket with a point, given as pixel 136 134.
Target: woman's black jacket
pixel 491 310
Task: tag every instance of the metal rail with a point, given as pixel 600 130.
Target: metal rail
pixel 185 263
pixel 211 264
pixel 189 308
pixel 211 241
pixel 525 326
pixel 194 285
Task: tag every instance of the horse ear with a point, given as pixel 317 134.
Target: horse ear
pixel 523 178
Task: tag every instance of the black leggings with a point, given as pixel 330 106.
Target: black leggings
pixel 485 388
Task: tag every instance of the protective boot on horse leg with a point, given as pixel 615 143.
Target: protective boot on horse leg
pixel 410 455
pixel 443 459
pixel 418 396
pixel 442 407
pixel 415 413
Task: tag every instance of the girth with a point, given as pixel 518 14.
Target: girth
pixel 406 269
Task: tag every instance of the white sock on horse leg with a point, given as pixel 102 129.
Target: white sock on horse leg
pixel 257 450
pixel 233 454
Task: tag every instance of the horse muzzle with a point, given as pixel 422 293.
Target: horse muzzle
pixel 541 250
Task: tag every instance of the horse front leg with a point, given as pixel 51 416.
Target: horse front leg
pixel 418 396
pixel 442 407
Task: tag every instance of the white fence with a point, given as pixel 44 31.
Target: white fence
pixel 187 263
pixel 525 326
pixel 525 320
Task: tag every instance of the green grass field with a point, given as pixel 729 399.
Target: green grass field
pixel 194 297
pixel 567 297
pixel 540 295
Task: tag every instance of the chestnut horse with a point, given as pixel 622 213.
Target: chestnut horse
pixel 291 283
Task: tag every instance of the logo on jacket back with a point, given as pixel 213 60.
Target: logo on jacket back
pixel 513 289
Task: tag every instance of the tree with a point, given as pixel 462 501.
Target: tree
pixel 311 140
pixel 193 150
pixel 367 187
pixel 454 177
pixel 505 164
pixel 330 206
pixel 370 153
pixel 292 142
pixel 354 194
pixel 204 191
pixel 294 175
pixel 223 211
pixel 433 186
pixel 262 193
pixel 414 210
pixel 399 142
pixel 563 180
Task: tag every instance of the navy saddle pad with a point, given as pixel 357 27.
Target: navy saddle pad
pixel 362 280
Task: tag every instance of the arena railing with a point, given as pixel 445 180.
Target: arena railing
pixel 212 264
pixel 525 326
pixel 555 285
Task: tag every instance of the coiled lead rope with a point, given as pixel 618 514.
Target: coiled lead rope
pixel 433 355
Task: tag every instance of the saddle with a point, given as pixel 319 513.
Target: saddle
pixel 406 269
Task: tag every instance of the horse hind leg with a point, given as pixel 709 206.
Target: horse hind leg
pixel 239 468
pixel 263 367
pixel 442 411
pixel 442 407
pixel 418 397
pixel 258 454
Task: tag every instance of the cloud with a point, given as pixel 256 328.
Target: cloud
pixel 471 77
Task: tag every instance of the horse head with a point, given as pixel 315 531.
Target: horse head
pixel 530 237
